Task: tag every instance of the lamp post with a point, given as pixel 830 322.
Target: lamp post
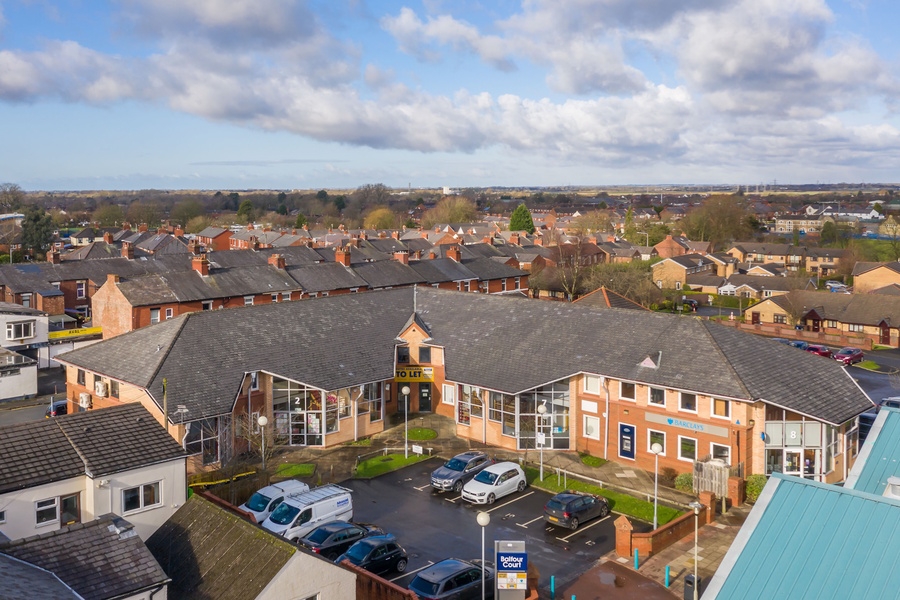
pixel 405 391
pixel 263 421
pixel 656 448
pixel 483 519
pixel 696 506
pixel 542 410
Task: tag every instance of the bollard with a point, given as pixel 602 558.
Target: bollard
pixel 635 559
pixel 552 587
pixel 667 576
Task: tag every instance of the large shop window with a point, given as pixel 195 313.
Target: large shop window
pixel 656 437
pixel 203 438
pixel 300 414
pixel 502 408
pixel 721 452
pixel 470 404
pixel 687 448
pixel 371 401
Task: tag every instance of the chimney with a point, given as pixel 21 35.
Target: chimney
pixel 128 250
pixel 179 232
pixel 293 232
pixel 254 243
pixel 487 240
pixel 112 279
pixel 431 255
pixel 142 228
pixel 200 264
pixel 592 239
pixel 353 242
pixel 126 226
pixel 538 241
pixel 401 257
pixel 266 229
pixel 453 253
pixel 162 230
pixel 381 235
pixel 250 226
pixel 342 255
pixel 194 246
pixel 107 237
pixel 53 257
pixel 277 261
pixel 363 235
pixel 611 238
pixel 395 234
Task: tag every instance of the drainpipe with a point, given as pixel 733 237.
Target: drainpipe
pixel 605 385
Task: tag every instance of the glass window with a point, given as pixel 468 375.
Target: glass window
pixel 254 381
pixel 687 448
pixel 170 313
pixel 721 452
pixel 46 511
pixel 657 397
pixel 656 437
pixel 274 298
pixel 80 376
pixel 855 328
pixel 207 305
pixel 721 408
pixel 20 330
pixel 79 289
pixel 626 390
pixel 502 408
pixel 113 388
pixel 285 296
pixel 370 401
pixel 780 319
pixel 470 404
pixel 592 427
pixel 424 355
pixel 154 315
pixel 248 300
pixel 591 384
pixel 448 394
pixel 688 402
pixel 142 496
pixel 402 355
pixel 202 437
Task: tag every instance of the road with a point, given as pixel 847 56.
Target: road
pixel 22 415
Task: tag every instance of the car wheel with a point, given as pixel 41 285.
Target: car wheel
pixel 457 487
pixel 574 523
pixel 604 510
pixel 521 487
pixel 490 499
pixel 401 565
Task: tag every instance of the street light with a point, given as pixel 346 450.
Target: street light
pixel 696 506
pixel 483 519
pixel 656 448
pixel 263 421
pixel 542 410
pixel 405 391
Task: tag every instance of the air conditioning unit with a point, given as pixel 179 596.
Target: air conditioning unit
pixel 100 388
pixel 84 400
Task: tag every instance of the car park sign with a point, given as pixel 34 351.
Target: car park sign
pixel 512 569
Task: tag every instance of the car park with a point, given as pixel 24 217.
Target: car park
pixel 377 554
pixel 459 470
pixel 453 578
pixel 494 482
pixel 819 349
pixel 301 513
pixel 849 355
pixel 571 509
pixel 333 539
pixel 57 408
pixel 264 501
pixel 800 344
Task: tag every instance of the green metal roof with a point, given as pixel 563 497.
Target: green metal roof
pixel 805 539
pixel 880 455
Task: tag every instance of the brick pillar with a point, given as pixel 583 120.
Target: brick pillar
pixel 623 536
pixel 736 491
pixel 708 499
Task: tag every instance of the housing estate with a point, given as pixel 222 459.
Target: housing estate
pixel 330 370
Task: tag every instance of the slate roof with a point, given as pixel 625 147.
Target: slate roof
pixel 20 579
pixel 95 443
pixel 212 232
pixel 864 309
pixel 780 284
pixel 879 457
pixel 212 553
pixel 810 540
pixel 387 273
pixel 442 270
pixel 486 269
pixel 326 277
pixel 604 298
pixel 100 559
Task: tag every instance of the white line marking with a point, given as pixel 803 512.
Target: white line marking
pixel 453 499
pixel 580 529
pixel 510 502
pixel 419 489
pixel 525 525
pixel 411 572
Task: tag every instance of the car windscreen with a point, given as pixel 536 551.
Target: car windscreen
pixel 319 535
pixel 284 514
pixel 358 552
pixel 258 502
pixel 486 477
pixel 556 505
pixel 455 465
pixel 424 586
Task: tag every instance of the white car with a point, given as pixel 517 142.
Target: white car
pixel 495 482
pixel 263 502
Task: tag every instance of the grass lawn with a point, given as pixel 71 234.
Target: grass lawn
pixel 592 461
pixel 621 503
pixel 421 434
pixel 295 470
pixel 380 465
pixel 868 364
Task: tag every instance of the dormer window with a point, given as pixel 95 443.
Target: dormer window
pixel 402 355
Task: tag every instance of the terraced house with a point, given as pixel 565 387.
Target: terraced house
pixel 605 381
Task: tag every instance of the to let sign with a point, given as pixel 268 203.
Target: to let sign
pixel 413 373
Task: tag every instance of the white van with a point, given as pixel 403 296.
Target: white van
pixel 301 513
pixel 263 502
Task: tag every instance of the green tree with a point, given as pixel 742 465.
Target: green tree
pixel 282 209
pixel 380 218
pixel 520 219
pixel 322 195
pixel 451 209
pixel 37 230
pixel 187 210
pixel 197 224
pixel 245 211
pixel 340 202
pixel 829 233
pixel 140 211
pixel 108 215
pixel 301 220
pixel 720 219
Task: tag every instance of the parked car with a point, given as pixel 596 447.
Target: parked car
pixel 571 509
pixel 333 539
pixel 819 349
pixel 453 578
pixel 800 344
pixel 377 554
pixel 457 471
pixel 831 283
pixel 300 513
pixel 57 408
pixel 784 341
pixel 264 501
pixel 494 482
pixel 691 304
pixel 849 355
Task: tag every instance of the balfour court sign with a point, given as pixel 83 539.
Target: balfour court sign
pixel 413 373
pixel 685 424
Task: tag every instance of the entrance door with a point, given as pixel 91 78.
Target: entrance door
pixel 816 325
pixel 626 441
pixel 69 512
pixel 754 318
pixel 885 334
pixel 810 464
pixel 792 462
pixel 424 397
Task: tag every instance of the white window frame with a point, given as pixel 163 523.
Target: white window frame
pixel 207 305
pixel 248 300
pixel 274 298
pixel 143 507
pixel 154 316
pixel 54 504
pixel 650 443
pixel 2 517
pixel 712 409
pixel 170 312
pixel 681 402
pixel 712 445
pixel 22 326
pixel 448 394
pixel 285 296
pixel 622 397
pixel 696 447
pixel 81 289
pixel 254 381
pixel 26 300
pixel 650 401
pixel 589 419
pixel 589 389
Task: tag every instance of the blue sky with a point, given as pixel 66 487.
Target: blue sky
pixel 282 94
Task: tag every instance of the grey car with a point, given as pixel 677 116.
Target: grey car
pixel 457 471
pixel 454 579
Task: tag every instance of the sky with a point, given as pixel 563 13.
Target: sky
pixel 287 94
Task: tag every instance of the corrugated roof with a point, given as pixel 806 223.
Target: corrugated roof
pixel 880 455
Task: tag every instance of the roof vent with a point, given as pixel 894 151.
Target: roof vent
pixel 650 363
pixel 87 429
pixel 892 490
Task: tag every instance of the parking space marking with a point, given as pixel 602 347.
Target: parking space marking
pixel 453 500
pixel 407 573
pixel 580 529
pixel 506 503
pixel 419 489
pixel 526 524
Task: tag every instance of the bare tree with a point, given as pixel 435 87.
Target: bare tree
pixel 11 196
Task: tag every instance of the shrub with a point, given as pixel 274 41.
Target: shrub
pixel 685 482
pixel 667 475
pixel 755 485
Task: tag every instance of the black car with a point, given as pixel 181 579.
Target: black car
pixel 453 578
pixel 377 554
pixel 457 471
pixel 570 509
pixel 333 539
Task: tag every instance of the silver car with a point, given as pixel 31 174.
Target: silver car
pixel 454 474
